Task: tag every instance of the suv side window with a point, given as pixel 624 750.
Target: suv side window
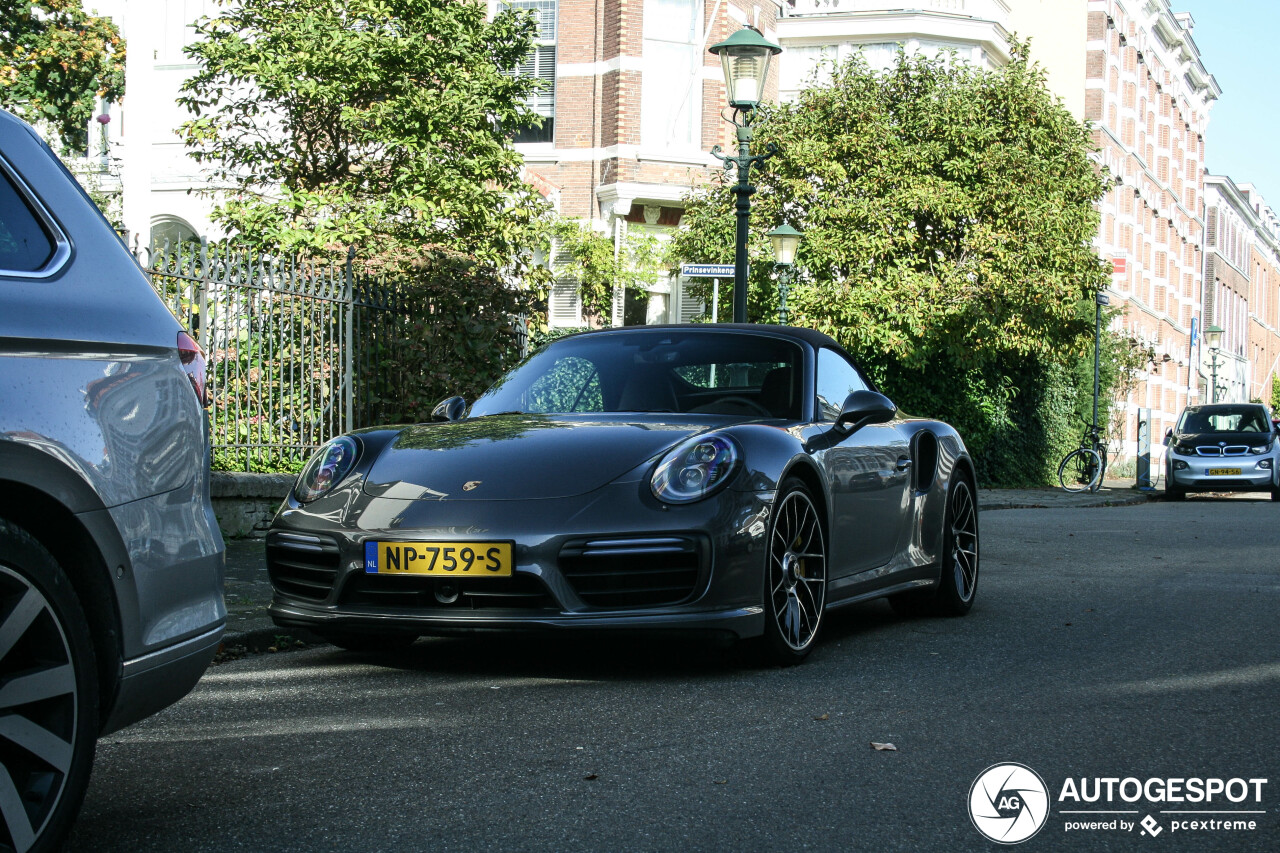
pixel 24 244
pixel 837 379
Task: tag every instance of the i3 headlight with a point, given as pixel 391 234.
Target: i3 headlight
pixel 330 465
pixel 696 469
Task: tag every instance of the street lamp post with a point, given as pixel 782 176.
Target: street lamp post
pixel 1213 335
pixel 785 240
pixel 1100 299
pixel 745 57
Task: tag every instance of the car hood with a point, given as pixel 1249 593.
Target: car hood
pixel 1223 439
pixel 519 456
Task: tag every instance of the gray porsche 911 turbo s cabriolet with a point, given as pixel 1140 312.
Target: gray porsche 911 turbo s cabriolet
pixel 738 479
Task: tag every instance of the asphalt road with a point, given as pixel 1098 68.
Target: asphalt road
pixel 1106 643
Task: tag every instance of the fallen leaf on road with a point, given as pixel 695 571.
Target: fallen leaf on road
pixel 823 717
pixel 883 747
pixel 591 777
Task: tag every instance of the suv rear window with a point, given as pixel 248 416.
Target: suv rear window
pixel 25 246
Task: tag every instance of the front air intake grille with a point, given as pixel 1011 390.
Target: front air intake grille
pixel 634 572
pixel 518 592
pixel 302 566
pixel 1229 450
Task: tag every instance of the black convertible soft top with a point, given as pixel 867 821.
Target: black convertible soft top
pixel 812 337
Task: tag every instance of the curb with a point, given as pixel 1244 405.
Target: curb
pixel 989 501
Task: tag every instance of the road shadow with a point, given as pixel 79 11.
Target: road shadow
pixel 611 655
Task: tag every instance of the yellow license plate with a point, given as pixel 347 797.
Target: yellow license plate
pixel 442 559
pixel 1223 472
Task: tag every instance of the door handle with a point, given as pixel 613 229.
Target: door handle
pixel 904 463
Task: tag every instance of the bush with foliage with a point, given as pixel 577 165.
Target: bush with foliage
pixel 948 216
pixel 457 325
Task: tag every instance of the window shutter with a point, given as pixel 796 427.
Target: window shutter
pixel 564 305
pixel 691 308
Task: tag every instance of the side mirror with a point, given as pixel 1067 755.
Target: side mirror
pixel 449 409
pixel 1168 436
pixel 862 408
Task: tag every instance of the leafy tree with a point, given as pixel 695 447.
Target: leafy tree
pixel 366 122
pixel 379 125
pixel 55 62
pixel 948 214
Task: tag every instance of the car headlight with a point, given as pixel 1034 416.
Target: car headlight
pixel 330 465
pixel 1184 450
pixel 1266 448
pixel 695 469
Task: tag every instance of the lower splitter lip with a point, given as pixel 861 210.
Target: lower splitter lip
pixel 742 622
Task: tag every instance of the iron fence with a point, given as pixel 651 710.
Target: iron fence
pixel 297 352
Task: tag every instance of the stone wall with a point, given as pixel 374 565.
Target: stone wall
pixel 245 503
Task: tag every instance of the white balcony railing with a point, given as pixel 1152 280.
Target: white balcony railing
pixel 990 10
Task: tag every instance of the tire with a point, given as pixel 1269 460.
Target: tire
pixel 958 571
pixel 355 642
pixel 1081 469
pixel 1173 493
pixel 49 718
pixel 795 577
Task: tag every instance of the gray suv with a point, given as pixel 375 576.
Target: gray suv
pixel 111 562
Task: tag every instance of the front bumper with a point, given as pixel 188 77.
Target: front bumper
pixel 624 562
pixel 1222 473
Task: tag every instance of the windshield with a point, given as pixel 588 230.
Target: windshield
pixel 1224 419
pixel 694 372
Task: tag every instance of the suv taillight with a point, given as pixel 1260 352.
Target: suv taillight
pixel 193 362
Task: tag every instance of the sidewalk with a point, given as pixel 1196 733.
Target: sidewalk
pixel 249 629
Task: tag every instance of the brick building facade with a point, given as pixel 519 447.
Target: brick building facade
pixel 1242 290
pixel 1148 96
pixel 634 110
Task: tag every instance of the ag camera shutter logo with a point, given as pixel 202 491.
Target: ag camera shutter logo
pixel 1008 803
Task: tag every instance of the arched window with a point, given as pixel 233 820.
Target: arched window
pixel 171 229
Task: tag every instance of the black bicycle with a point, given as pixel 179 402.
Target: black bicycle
pixel 1083 468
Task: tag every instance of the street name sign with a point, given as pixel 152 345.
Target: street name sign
pixel 707 270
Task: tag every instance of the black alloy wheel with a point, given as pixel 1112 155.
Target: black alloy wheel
pixel 795 576
pixel 958 578
pixel 48 696
pixel 959 581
